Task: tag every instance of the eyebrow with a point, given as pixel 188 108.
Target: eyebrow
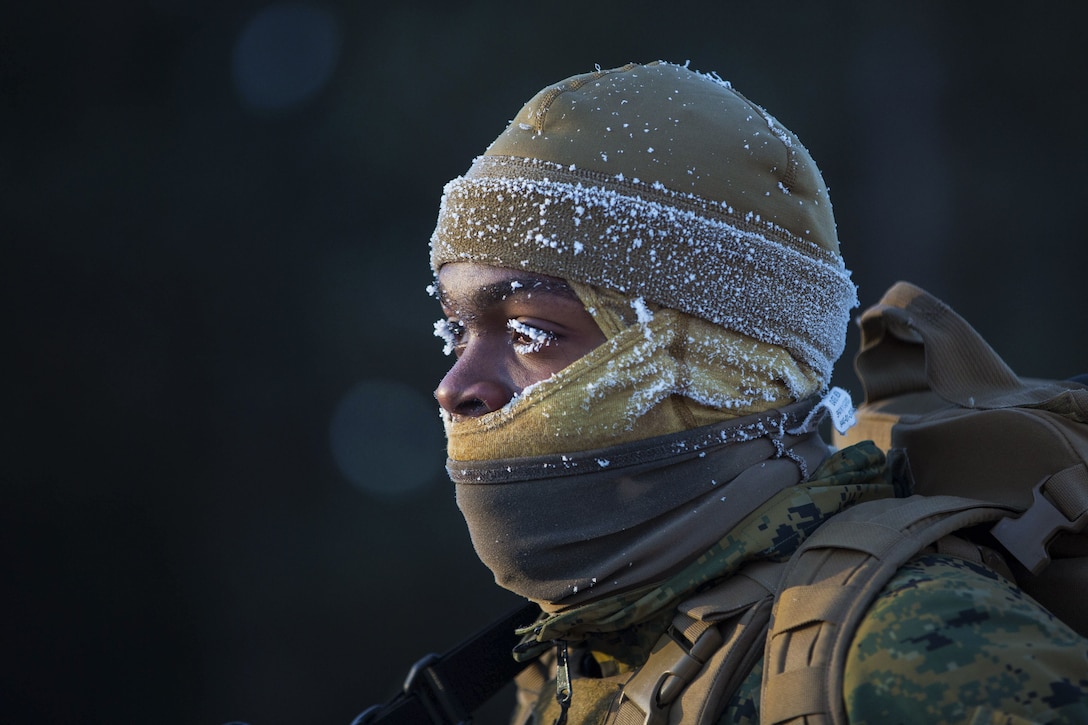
pixel 522 285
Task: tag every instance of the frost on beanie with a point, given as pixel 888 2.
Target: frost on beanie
pixel 668 187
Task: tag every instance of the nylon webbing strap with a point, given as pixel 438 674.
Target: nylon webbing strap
pixel 712 645
pixel 828 586
pixel 447 688
pixel 1069 489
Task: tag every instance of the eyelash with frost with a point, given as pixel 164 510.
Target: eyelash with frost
pixel 445 331
pixel 538 338
pixel 448 332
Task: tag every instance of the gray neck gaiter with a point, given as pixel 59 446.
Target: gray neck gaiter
pixel 566 529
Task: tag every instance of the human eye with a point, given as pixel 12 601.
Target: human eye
pixel 528 339
pixel 451 332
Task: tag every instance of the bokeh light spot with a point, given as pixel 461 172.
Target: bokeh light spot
pixel 386 438
pixel 285 54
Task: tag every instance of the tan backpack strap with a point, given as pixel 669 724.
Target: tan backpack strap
pixel 912 341
pixel 714 641
pixel 828 587
pixel 532 684
pixel 704 699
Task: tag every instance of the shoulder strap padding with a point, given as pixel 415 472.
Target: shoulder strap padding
pixel 715 639
pixel 828 586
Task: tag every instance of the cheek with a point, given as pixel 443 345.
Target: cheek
pixel 583 345
pixel 542 365
pixel 525 374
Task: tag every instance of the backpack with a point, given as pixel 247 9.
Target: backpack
pixel 969 426
pixel 999 466
pixel 999 473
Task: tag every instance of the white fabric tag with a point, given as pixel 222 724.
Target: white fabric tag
pixel 838 403
pixel 841 407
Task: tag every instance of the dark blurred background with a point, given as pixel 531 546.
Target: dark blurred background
pixel 223 489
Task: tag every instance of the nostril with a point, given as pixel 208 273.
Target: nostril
pixel 471 400
pixel 471 407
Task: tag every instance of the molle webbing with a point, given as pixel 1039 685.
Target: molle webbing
pixel 823 592
pixel 829 585
pixel 712 645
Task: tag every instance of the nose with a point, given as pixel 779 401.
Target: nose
pixel 474 385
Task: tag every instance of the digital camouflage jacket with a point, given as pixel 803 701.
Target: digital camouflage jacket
pixel 946 641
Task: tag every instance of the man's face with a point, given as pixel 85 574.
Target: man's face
pixel 509 330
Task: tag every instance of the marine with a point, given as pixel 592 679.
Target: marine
pixel 642 286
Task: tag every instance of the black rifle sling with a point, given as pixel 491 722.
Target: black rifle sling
pixel 448 688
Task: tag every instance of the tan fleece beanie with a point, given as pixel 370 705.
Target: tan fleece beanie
pixel 661 182
pixel 667 186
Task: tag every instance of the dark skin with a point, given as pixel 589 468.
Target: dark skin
pixel 509 329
